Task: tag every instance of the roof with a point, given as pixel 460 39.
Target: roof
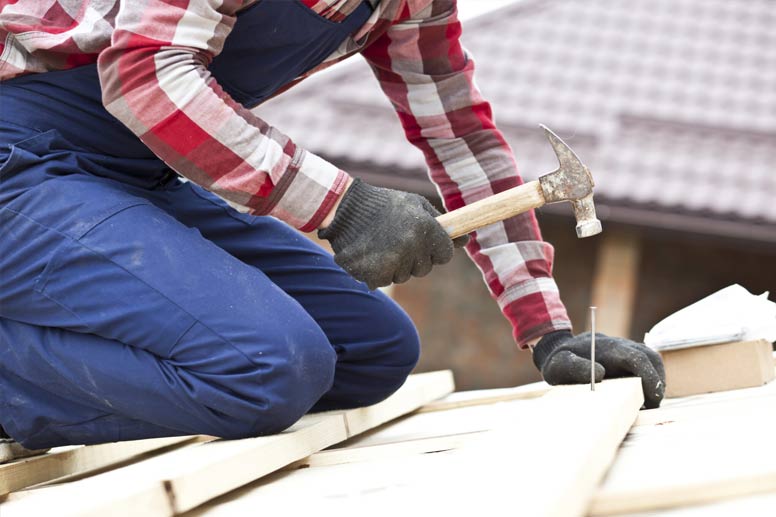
pixel 671 103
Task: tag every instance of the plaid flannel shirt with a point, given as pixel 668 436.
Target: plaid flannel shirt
pixel 152 59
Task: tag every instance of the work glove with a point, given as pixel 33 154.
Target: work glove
pixel 382 236
pixel 565 359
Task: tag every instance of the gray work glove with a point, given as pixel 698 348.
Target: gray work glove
pixel 382 236
pixel 565 359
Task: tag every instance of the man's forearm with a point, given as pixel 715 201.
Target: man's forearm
pixel 428 76
pixel 330 216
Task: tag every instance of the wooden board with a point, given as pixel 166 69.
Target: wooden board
pixel 419 390
pixel 760 505
pixel 386 450
pixel 416 426
pixel 697 451
pixel 76 461
pixel 565 447
pixel 463 399
pixel 704 406
pixel 731 408
pixel 522 467
pixel 181 480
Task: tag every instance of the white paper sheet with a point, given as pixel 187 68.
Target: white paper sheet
pixel 731 314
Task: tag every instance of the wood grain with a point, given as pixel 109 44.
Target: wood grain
pixel 693 453
pixel 183 479
pixel 492 209
pixel 76 461
pixel 526 466
pixel 462 399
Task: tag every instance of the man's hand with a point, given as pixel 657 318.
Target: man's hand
pixel 565 359
pixel 382 236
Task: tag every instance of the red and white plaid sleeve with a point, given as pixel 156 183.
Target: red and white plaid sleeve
pixel 155 80
pixel 428 76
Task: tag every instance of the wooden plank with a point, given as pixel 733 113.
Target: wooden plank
pixel 713 398
pixel 713 409
pixel 463 399
pixel 615 281
pixel 558 475
pixel 418 426
pixel 76 461
pixel 528 465
pixel 422 388
pixel 384 451
pixel 760 505
pixel 380 487
pixel 695 459
pixel 190 476
pixel 169 477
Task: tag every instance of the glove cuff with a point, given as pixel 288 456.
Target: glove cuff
pixel 360 203
pixel 547 345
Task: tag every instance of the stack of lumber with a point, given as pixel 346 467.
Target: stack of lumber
pixel 695 451
pixel 534 450
pixel 176 481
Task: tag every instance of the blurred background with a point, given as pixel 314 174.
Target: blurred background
pixel 671 104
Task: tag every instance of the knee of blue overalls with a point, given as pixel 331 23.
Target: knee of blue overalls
pixel 302 381
pixel 372 369
pixel 398 338
pixel 266 392
pixel 399 342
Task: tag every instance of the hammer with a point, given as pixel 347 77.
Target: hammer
pixel 570 182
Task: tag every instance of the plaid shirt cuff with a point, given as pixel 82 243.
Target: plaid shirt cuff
pixel 310 193
pixel 534 309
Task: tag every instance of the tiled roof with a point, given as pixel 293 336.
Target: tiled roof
pixel 671 103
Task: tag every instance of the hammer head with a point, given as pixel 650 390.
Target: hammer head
pixel 571 182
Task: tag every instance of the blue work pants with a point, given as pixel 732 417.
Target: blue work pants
pixel 134 305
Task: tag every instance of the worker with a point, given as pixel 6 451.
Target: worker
pixel 136 305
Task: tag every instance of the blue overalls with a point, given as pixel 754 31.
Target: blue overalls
pixel 134 305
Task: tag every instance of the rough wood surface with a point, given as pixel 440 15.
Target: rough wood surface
pixel 76 461
pixel 418 426
pixel 179 481
pixel 730 403
pixel 420 389
pixel 760 505
pixel 500 472
pixel 698 450
pixel 463 399
pixel 386 450
pixel 599 421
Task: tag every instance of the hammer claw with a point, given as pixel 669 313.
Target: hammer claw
pixel 572 182
pixel 562 151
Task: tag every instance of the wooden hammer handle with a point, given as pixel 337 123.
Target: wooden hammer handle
pixel 492 209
